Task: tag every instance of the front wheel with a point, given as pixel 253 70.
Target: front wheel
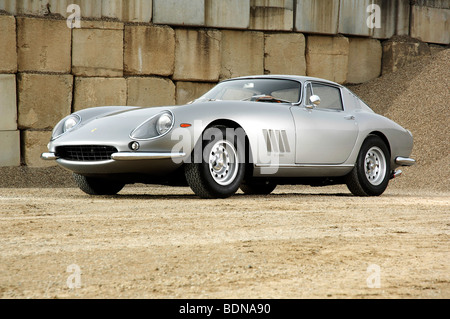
pixel 221 168
pixel 97 186
pixel 370 176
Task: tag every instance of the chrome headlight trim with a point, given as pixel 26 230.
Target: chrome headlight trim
pixel 60 129
pixel 153 122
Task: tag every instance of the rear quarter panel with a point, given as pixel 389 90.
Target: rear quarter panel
pixel 400 140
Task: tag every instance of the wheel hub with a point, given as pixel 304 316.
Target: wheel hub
pixel 223 162
pixel 375 166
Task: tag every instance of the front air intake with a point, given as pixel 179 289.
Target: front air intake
pixel 85 153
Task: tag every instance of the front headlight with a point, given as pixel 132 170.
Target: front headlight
pixel 164 123
pixel 70 123
pixel 156 126
pixel 66 125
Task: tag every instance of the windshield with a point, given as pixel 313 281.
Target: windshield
pixel 257 90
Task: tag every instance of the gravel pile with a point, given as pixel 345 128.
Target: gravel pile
pixel 417 97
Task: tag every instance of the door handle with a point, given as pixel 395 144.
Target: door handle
pixel 349 117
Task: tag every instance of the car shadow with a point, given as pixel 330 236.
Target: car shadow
pixel 307 194
pixel 235 196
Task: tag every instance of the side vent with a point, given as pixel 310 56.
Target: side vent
pixel 276 141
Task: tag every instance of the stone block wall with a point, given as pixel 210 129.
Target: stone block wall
pixel 164 52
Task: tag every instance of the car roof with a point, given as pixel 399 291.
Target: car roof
pixel 285 77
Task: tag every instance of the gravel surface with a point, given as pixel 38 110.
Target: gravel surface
pixel 164 242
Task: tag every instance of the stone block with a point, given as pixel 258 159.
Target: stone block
pixel 8 107
pixel 242 53
pixel 8 57
pixel 149 50
pixel 197 55
pixel 43 45
pixel 43 99
pixel 10 146
pixel 272 15
pixel 89 8
pixel 137 10
pixel 34 143
pixel 353 17
pixel 112 9
pixel 327 57
pixel 93 92
pixel 35 7
pixel 430 24
pixel 388 16
pixel 231 14
pixel 97 52
pixel 284 53
pixel 317 16
pixel 403 13
pixel 150 91
pixel 189 91
pixel 9 6
pixel 400 51
pixel 179 12
pixel 58 7
pixel 102 24
pixel 364 60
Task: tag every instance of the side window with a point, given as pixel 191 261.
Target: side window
pixel 330 96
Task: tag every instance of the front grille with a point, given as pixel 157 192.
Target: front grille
pixel 85 153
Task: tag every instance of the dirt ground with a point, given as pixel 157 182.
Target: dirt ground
pixel 162 242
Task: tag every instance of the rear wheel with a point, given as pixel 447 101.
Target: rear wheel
pixel 222 166
pixel 97 186
pixel 370 176
pixel 258 188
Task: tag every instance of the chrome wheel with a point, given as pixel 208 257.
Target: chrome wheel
pixel 375 166
pixel 223 162
pixel 370 176
pixel 222 167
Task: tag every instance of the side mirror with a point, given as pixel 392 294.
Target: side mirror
pixel 314 100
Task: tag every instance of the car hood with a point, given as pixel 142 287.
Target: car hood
pixel 138 113
pixel 110 126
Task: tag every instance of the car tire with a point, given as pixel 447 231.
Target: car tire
pixel 258 188
pixel 370 176
pixel 221 169
pixel 97 186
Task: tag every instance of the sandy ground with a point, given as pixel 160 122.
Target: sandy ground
pixel 162 242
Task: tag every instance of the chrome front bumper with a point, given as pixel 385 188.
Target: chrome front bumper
pixel 155 163
pixel 404 161
pixel 127 156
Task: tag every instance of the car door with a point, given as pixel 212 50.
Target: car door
pixel 326 133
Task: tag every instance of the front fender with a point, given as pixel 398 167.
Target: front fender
pixel 255 118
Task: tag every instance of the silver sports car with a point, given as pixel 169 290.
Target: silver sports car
pixel 252 133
